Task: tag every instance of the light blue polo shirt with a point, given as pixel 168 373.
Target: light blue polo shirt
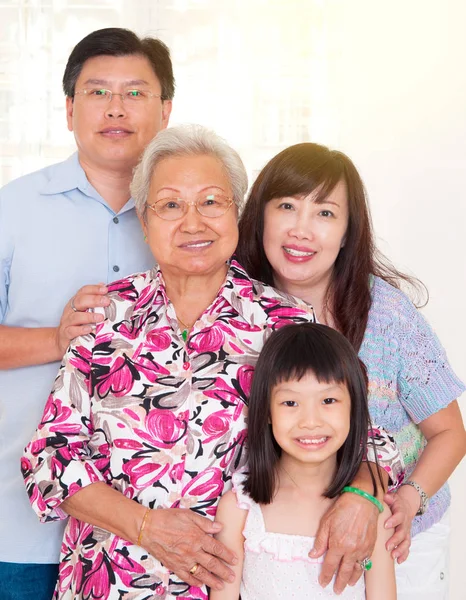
pixel 56 234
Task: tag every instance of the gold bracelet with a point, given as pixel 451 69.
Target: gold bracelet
pixel 141 529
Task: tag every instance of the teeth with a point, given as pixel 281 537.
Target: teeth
pixel 297 252
pixel 199 245
pixel 313 441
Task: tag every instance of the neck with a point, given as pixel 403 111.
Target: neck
pixel 192 294
pixel 112 185
pixel 309 478
pixel 313 294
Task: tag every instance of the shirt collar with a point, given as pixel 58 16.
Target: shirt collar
pixel 69 175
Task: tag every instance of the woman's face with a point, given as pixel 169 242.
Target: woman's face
pixel 302 238
pixel 192 244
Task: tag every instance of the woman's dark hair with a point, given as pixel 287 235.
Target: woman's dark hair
pixel 298 171
pixel 290 353
pixel 115 41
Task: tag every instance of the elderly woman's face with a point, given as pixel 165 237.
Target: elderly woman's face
pixel 192 244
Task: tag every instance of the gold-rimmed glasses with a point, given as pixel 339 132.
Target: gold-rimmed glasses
pixel 103 96
pixel 209 205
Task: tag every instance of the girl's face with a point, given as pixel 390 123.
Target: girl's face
pixel 310 419
pixel 302 238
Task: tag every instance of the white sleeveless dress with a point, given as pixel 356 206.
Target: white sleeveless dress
pixel 276 565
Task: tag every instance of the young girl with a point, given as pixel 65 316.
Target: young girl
pixel 308 420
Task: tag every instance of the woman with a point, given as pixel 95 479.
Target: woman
pixel 147 415
pixel 306 229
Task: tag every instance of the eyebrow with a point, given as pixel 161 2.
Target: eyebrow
pixel 332 386
pixel 126 83
pixel 325 201
pixel 207 187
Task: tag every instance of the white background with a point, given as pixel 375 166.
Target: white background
pixel 383 81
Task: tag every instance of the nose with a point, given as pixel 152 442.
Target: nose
pixel 302 227
pixel 309 417
pixel 116 107
pixel 193 221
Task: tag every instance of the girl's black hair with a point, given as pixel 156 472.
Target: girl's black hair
pixel 291 353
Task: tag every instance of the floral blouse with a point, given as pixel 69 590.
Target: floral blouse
pixel 160 420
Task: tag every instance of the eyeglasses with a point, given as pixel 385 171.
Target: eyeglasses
pixel 211 206
pixel 102 96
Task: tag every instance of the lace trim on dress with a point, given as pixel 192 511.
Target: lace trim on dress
pixel 282 546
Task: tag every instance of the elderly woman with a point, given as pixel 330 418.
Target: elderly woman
pixel 306 229
pixel 147 415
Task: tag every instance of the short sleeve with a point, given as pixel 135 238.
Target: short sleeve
pixel 57 462
pixel 426 380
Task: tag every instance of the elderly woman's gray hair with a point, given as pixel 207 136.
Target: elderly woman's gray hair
pixel 187 140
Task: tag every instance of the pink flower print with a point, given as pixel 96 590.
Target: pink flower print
pixel 245 375
pixel 149 368
pixel 81 359
pixel 163 428
pixel 56 413
pixel 145 298
pixel 143 472
pixel 119 380
pixel 37 446
pixel 158 340
pixel 206 485
pixel 125 566
pixel 232 455
pixel 236 395
pixel 37 500
pixel 125 289
pixel 93 477
pixel 195 592
pixel 284 315
pixel 244 326
pixel 177 471
pixel 128 444
pixel 216 425
pixel 66 575
pixel 210 339
pixel 97 580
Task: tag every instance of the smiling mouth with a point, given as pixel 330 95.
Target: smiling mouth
pixel 312 441
pixel 115 131
pixel 297 253
pixel 197 244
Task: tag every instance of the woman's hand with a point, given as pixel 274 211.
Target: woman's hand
pixel 349 531
pixel 78 321
pixel 404 504
pixel 181 539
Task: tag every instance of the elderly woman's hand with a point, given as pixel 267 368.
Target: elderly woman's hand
pixel 404 504
pixel 349 531
pixel 76 319
pixel 180 539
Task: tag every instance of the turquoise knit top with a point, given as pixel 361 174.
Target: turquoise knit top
pixel 410 379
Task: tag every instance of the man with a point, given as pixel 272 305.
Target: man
pixel 61 227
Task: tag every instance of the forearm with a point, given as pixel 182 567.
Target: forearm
pixel 364 481
pixel 27 346
pixel 439 459
pixel 104 507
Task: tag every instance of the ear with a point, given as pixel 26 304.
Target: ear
pixel 69 112
pixel 166 112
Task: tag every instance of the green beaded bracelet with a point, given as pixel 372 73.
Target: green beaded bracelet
pixel 365 495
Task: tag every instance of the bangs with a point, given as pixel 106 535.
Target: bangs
pixel 300 352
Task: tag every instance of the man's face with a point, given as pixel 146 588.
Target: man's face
pixel 112 135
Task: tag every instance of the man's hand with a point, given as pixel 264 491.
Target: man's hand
pixel 349 531
pixel 181 539
pixel 404 504
pixel 74 323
